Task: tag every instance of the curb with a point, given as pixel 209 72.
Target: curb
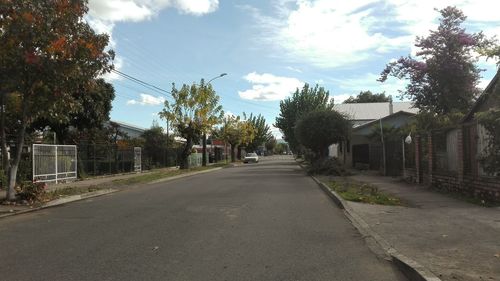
pixel 79 197
pixel 63 201
pixel 410 268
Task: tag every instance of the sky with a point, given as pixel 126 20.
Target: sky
pixel 268 48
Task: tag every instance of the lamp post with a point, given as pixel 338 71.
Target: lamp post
pixel 204 155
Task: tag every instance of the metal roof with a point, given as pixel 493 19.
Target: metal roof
pixel 372 111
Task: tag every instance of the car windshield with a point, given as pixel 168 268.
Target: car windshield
pixel 251 154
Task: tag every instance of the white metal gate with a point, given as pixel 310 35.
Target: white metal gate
pixel 53 163
pixel 137 159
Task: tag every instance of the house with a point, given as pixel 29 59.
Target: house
pixel 475 136
pixel 449 158
pixel 131 131
pixel 361 150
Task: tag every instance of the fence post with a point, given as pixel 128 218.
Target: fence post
pixel 95 156
pixel 417 159
pixel 33 162
pixel 460 156
pixel 56 166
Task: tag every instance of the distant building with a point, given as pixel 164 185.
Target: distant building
pixel 132 131
pixel 359 150
pixel 361 113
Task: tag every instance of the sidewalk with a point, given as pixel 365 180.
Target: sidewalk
pixel 455 240
pixel 106 183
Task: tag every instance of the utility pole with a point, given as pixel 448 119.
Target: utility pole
pixel 204 142
pixel 383 147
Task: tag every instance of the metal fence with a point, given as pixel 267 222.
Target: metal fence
pixel 105 159
pixel 54 163
pixel 445 150
pixel 453 149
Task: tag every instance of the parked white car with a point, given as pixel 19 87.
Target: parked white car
pixel 251 158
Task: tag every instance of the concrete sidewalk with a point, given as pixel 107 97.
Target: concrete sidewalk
pixel 103 182
pixel 454 239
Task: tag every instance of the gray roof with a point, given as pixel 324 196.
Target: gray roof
pixel 372 111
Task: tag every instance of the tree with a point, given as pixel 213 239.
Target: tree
pixel 271 144
pixel 281 148
pixel 368 96
pixel 301 103
pixel 155 143
pixel 262 132
pixel 47 53
pixel 319 129
pixel 235 132
pixel 193 112
pixel 210 115
pixel 93 106
pixel 445 78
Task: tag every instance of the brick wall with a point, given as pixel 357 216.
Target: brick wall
pixel 468 183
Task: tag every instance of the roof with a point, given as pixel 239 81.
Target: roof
pixel 372 111
pixel 482 98
pixel 374 122
pixel 129 126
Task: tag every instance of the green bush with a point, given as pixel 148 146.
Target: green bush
pixel 31 191
pixel 327 166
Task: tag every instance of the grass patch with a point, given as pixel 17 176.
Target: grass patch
pixel 47 196
pixel 153 176
pixel 364 193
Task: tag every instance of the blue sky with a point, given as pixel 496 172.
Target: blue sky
pixel 267 48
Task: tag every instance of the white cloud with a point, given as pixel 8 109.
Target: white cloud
pixel 229 114
pixel 368 82
pixel 139 10
pixel 147 100
pixel 331 34
pixel 276 132
pixel 341 98
pixel 103 14
pixel 268 87
pixel 294 69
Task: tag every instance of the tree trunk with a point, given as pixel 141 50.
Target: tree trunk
pixel 238 152
pixel 204 156
pixel 11 192
pixel 233 155
pixel 3 148
pixel 185 154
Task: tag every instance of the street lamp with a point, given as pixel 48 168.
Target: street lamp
pixel 204 155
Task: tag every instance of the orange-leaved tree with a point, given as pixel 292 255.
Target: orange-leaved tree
pixel 48 52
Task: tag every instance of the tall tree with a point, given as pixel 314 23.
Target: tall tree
pixel 319 129
pixel 155 143
pixel 210 115
pixel 47 52
pixel 236 132
pixel 445 77
pixel 193 112
pixel 271 144
pixel 299 104
pixel 262 132
pixel 368 96
pixel 92 108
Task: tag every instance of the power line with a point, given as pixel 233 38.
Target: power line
pixel 163 91
pixel 143 83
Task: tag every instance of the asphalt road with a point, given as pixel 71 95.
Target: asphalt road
pixel 265 221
